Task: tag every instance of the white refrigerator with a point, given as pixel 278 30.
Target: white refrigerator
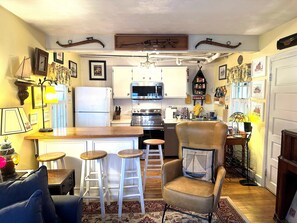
pixel 93 106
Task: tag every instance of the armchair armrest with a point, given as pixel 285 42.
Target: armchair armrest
pixel 171 170
pixel 218 185
pixel 68 208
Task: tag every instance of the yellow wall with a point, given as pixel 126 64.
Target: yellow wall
pixel 267 44
pixel 17 40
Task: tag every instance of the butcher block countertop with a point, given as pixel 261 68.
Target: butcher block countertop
pixel 89 132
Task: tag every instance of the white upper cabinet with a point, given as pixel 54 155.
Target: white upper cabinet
pixel 121 82
pixel 147 74
pixel 175 82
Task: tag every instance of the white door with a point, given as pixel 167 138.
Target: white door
pixel 92 119
pixel 121 82
pixel 282 109
pixel 175 82
pixel 92 99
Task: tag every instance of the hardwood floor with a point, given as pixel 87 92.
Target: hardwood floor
pixel 255 202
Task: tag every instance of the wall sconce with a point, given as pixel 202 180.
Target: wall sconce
pixel 50 97
pixel 12 121
pixel 23 79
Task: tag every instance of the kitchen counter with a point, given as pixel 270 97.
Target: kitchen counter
pixel 175 121
pixel 124 121
pixel 74 141
pixel 89 132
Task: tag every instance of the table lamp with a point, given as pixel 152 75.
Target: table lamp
pixel 50 97
pixel 12 121
pixel 237 117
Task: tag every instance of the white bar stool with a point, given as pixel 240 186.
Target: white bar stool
pixel 134 174
pixel 52 159
pixel 153 158
pixel 87 175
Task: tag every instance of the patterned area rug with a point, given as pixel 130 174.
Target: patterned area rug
pixel 227 213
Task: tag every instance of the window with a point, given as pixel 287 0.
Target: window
pixel 240 98
pixel 59 110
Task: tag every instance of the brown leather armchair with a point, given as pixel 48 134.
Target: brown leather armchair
pixel 192 194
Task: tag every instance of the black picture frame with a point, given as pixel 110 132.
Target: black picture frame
pixel 223 72
pixel 41 62
pixel 36 97
pixel 73 67
pixel 59 57
pixel 97 70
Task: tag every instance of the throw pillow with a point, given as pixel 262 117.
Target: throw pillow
pixel 28 211
pixel 16 191
pixel 198 163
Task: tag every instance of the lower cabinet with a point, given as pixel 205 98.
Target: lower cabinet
pixel 171 142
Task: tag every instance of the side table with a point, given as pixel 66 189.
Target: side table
pixel 61 181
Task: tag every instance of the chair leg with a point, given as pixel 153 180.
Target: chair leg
pixel 209 217
pixel 165 208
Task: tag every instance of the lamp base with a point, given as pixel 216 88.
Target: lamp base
pixel 46 130
pixel 247 183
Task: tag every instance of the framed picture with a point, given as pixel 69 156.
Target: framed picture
pixel 33 118
pixel 257 109
pixel 97 70
pixel 59 57
pixel 41 62
pixel 223 72
pixel 259 67
pixel 46 116
pixel 258 89
pixel 36 97
pixel 73 68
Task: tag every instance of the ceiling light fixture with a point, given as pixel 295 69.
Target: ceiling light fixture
pixel 147 64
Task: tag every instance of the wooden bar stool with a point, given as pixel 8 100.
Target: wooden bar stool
pixel 153 158
pixel 89 175
pixel 133 174
pixel 52 158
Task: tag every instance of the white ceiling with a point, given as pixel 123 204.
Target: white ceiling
pixel 100 17
pixel 72 17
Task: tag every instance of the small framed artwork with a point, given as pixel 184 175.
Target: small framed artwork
pixel 258 89
pixel 257 109
pixel 73 68
pixel 41 62
pixel 223 72
pixel 97 70
pixel 36 97
pixel 33 118
pixel 59 57
pixel 259 67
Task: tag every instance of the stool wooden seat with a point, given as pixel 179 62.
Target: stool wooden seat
pixel 53 159
pixel 154 141
pixel 98 174
pixel 93 155
pixel 129 176
pixel 153 158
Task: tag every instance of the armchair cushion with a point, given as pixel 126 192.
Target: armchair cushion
pixel 16 191
pixel 28 211
pixel 198 163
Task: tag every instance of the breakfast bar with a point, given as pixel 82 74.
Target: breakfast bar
pixel 74 141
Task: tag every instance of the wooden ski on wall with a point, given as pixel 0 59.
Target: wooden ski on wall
pixel 151 42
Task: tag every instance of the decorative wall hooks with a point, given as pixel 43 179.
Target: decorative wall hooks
pixel 89 40
pixel 209 41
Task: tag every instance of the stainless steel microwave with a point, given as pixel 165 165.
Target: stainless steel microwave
pixel 146 90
